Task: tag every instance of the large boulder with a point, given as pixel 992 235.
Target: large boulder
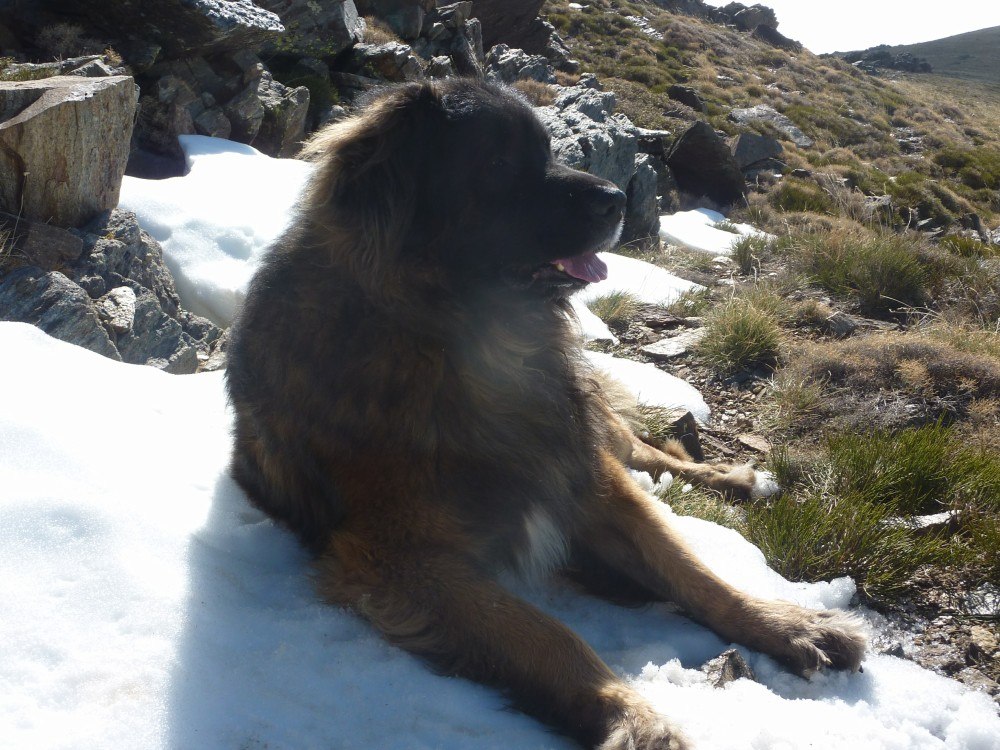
pixel 703 165
pixel 642 215
pixel 180 27
pixel 64 143
pixel 770 116
pixel 314 29
pixel 748 18
pixel 587 135
pixel 751 149
pixel 514 22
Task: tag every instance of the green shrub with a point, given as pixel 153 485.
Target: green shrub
pixel 976 167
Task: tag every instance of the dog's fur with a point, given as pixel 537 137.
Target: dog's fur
pixel 411 401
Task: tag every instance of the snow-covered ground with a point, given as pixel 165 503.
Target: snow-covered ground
pixel 147 605
pixel 699 230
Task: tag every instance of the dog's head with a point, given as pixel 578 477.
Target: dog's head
pixel 459 176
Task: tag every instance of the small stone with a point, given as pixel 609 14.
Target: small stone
pixel 674 346
pixel 116 309
pixel 754 443
pixel 728 667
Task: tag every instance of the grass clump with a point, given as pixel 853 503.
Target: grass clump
pixel 837 516
pixel 967 247
pixel 882 270
pixel 812 536
pixel 616 309
pixel 740 335
pixel 748 252
pixel 793 194
pixel 538 93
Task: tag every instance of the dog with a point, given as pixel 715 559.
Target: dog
pixel 411 401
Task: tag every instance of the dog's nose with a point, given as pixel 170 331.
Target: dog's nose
pixel 605 202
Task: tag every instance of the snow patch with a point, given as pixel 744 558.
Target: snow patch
pixel 697 230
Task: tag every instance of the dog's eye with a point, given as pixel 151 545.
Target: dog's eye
pixel 500 163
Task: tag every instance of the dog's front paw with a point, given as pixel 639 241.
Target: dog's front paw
pixel 811 641
pixel 643 729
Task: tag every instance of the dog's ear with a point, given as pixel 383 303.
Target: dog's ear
pixel 368 167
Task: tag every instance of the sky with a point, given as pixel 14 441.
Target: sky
pixel 844 25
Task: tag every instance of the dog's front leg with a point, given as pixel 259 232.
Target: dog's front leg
pixel 437 606
pixel 626 530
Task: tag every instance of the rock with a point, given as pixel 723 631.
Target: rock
pixel 769 115
pixel 674 346
pixel 683 427
pixel 703 165
pixel 882 57
pixel 585 135
pixel 976 680
pixel 754 443
pixel 509 21
pixel 156 339
pixel 116 309
pixel 94 69
pixel 654 142
pixel 687 95
pixel 751 149
pixel 559 54
pixel 392 61
pixel 180 27
pixel 642 214
pixel 269 115
pixel 64 143
pixel 314 29
pixel 749 18
pixel 118 253
pixel 42 245
pixel 506 65
pixel 770 35
pixel 53 303
pixel 439 67
pixel 451 16
pixel 406 17
pixel 467 49
pixel 728 667
pixel 981 645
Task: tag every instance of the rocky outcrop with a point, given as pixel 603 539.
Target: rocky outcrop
pixel 748 18
pixel 507 65
pixel 180 27
pixel 882 57
pixel 770 116
pixel 321 30
pixel 64 143
pixel 113 295
pixel 587 135
pixel 703 165
pixel 53 303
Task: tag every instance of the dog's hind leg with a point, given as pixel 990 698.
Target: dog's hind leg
pixel 629 531
pixel 436 605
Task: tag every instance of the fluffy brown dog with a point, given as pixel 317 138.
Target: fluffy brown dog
pixel 411 401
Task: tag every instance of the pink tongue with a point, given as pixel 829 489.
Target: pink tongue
pixel 587 267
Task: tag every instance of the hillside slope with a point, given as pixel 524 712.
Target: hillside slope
pixel 973 56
